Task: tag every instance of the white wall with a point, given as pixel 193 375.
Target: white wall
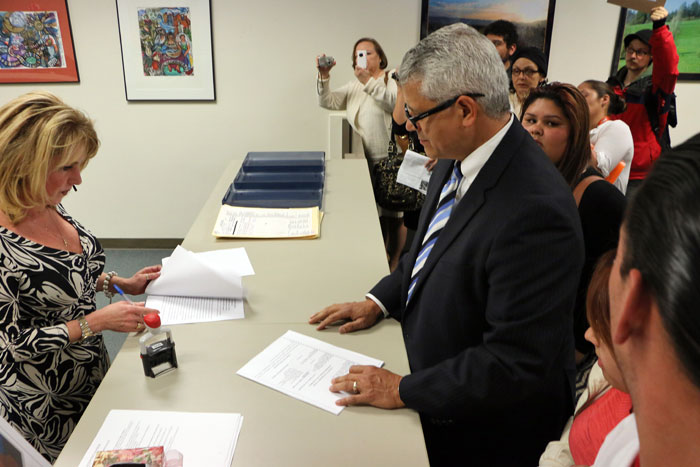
pixel 158 160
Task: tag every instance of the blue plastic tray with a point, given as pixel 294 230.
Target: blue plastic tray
pixel 284 162
pixel 273 198
pixel 278 180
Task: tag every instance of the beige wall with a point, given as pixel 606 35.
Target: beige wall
pixel 159 160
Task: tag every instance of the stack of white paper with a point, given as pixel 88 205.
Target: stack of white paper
pixel 303 367
pixel 244 222
pixel 202 438
pixel 197 287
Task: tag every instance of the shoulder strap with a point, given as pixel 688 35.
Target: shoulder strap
pixel 582 185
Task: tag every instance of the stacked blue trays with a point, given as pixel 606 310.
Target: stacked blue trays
pixel 278 180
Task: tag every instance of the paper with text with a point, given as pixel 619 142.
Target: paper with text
pixel 303 367
pixel 210 274
pixel 413 173
pixel 182 310
pixel 202 438
pixel 240 222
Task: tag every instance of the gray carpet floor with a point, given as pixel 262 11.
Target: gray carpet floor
pixel 126 262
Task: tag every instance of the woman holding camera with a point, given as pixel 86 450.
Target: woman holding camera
pixel 52 356
pixel 368 101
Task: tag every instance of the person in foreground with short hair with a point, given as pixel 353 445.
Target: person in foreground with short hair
pixel 654 322
pixel 504 36
pixel 52 355
pixel 646 90
pixel 485 294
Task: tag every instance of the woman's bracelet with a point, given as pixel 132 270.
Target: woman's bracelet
pixel 105 285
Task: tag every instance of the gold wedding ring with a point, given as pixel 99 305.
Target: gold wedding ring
pixel 354 387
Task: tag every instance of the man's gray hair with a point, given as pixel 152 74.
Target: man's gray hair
pixel 456 60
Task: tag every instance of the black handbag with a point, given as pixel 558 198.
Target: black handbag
pixel 388 193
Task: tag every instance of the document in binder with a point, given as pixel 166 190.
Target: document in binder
pixel 243 222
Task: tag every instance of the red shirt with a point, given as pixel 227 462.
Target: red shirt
pixel 592 425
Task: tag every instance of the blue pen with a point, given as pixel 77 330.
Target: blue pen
pixel 121 292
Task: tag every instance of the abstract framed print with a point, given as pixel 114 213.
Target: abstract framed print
pixel 166 50
pixel 36 42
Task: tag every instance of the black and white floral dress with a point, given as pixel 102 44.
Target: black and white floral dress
pixel 45 381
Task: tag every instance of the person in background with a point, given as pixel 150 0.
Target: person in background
pixel 647 91
pixel 368 101
pixel 485 294
pixel 654 319
pixel 504 36
pixel 556 115
pixel 605 401
pixel 529 70
pixel 611 139
pixel 52 355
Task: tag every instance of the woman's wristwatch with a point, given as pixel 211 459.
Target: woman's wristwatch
pixel 85 330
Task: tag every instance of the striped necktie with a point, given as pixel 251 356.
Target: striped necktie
pixel 437 223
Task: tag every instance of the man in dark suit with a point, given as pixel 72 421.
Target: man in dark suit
pixel 485 295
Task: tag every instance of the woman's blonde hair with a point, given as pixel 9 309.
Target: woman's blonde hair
pixel 38 132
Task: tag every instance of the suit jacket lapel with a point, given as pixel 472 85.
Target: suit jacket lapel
pixel 470 203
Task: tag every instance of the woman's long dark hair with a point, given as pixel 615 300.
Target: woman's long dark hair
pixel 573 105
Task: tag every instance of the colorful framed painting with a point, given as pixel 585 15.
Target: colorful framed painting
pixel 36 42
pixel 684 22
pixel 166 51
pixel 532 18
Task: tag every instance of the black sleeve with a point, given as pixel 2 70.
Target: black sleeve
pixel 601 209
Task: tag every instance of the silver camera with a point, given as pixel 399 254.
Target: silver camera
pixel 325 61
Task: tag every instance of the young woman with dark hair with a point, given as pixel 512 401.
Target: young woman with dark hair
pixel 611 139
pixel 556 115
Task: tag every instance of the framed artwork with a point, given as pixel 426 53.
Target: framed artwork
pixel 36 42
pixel 166 51
pixel 684 22
pixel 532 18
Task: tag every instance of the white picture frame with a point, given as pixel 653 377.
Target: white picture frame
pixel 17 449
pixel 152 35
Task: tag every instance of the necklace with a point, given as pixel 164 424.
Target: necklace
pixel 58 228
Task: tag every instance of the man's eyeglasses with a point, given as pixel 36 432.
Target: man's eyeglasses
pixel 529 72
pixel 437 108
pixel 641 53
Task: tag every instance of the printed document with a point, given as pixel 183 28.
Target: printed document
pixel 240 222
pixel 198 287
pixel 202 438
pixel 303 367
pixel 413 173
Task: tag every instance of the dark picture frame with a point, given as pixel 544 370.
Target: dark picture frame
pixel 36 42
pixel 167 52
pixel 435 15
pixel 684 35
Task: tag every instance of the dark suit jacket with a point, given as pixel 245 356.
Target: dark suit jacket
pixel 489 329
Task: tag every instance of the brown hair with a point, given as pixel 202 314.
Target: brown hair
pixel 383 62
pixel 573 105
pixel 598 299
pixel 617 104
pixel 38 132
